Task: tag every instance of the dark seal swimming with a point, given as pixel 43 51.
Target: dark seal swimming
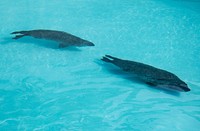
pixel 149 74
pixel 63 38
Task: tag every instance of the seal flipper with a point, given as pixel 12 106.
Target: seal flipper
pixel 127 69
pixel 18 36
pixel 111 59
pixel 20 32
pixel 106 60
pixel 150 83
pixel 63 45
pixel 114 58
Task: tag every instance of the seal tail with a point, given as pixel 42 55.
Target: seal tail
pixel 18 36
pixel 19 32
pixel 108 58
pixel 114 58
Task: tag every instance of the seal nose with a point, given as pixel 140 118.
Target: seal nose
pixel 91 44
pixel 185 87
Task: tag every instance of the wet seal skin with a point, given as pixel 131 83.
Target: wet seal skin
pixel 63 38
pixel 148 74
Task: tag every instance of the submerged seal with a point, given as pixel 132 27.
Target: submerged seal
pixel 64 39
pixel 149 74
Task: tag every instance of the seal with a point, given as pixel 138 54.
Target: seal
pixel 63 38
pixel 148 74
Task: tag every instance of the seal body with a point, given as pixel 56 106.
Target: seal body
pixel 63 38
pixel 149 74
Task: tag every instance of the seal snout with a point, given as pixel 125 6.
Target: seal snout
pixel 185 87
pixel 90 44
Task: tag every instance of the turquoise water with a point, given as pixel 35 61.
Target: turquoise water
pixel 44 88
